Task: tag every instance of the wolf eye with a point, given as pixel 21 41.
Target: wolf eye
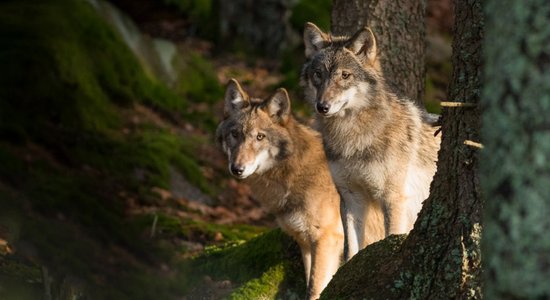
pixel 345 75
pixel 234 133
pixel 260 136
pixel 317 75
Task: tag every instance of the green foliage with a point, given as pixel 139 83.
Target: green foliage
pixel 314 11
pixel 515 163
pixel 198 83
pixel 195 8
pixel 202 13
pixel 432 105
pixel 292 60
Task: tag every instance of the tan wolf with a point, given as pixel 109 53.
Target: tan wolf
pixel 285 165
pixel 381 148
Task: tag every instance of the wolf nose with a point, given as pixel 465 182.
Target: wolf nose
pixel 322 108
pixel 237 170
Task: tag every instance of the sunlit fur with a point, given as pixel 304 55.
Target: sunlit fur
pixel 381 149
pixel 289 175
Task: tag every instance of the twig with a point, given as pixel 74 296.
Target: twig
pixel 154 226
pixel 47 283
pixel 473 144
pixel 457 104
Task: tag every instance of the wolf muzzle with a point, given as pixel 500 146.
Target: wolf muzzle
pixel 322 107
pixel 236 170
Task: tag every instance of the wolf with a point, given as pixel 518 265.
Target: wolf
pixel 286 167
pixel 381 148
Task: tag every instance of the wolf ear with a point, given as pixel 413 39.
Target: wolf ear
pixel 314 39
pixel 235 97
pixel 363 44
pixel 278 106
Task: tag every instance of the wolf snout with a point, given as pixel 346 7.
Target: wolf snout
pixel 236 170
pixel 322 107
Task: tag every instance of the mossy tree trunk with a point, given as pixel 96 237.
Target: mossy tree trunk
pixel 440 259
pixel 400 30
pixel 516 160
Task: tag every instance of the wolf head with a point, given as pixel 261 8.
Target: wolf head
pixel 253 134
pixel 340 72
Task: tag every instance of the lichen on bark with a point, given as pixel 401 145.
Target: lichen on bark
pixel 516 135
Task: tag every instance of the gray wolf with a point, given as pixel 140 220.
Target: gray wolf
pixel 286 167
pixel 381 147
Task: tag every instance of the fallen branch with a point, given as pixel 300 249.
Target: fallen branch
pixel 154 226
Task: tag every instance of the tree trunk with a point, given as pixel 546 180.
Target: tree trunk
pixel 516 159
pixel 440 259
pixel 400 30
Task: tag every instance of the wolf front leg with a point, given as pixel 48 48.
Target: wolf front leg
pixel 326 254
pixel 305 249
pixel 396 214
pixel 353 215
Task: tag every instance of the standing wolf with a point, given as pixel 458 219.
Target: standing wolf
pixel 381 148
pixel 285 164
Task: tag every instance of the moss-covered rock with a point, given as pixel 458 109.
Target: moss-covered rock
pixel 348 282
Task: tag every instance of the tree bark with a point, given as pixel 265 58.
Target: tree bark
pixel 516 158
pixel 440 259
pixel 400 31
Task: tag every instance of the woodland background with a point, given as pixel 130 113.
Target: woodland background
pixel 111 185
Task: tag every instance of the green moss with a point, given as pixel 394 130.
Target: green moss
pixel 269 264
pixel 265 287
pixel 67 79
pixel 199 82
pixel 67 70
pixel 188 229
